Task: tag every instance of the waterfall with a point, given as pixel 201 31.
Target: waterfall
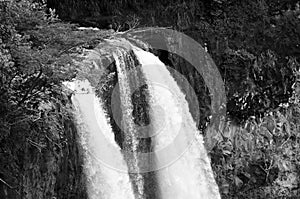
pixel 176 158
pixel 97 141
pixel 128 76
pixel 184 169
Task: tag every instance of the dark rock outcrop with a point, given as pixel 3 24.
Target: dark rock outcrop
pixel 47 165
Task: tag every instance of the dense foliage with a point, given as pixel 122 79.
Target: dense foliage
pixel 254 43
pixel 260 159
pixel 37 53
pixel 254 48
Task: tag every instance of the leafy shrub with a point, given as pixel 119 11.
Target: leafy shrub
pixel 37 53
pixel 260 159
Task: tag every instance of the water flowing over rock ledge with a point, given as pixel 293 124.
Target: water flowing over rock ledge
pixel 124 69
pixel 60 173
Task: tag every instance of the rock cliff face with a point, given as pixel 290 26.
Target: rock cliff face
pixel 105 90
pixel 195 81
pixel 51 166
pixel 48 167
pixel 55 171
pixel 194 71
pixel 123 14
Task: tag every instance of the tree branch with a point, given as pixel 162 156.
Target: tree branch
pixel 1 180
pixel 32 87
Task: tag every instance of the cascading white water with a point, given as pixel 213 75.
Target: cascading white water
pixel 97 140
pixel 123 62
pixel 183 167
pixel 189 175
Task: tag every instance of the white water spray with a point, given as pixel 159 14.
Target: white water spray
pixel 183 167
pixel 185 174
pixel 123 62
pixel 97 140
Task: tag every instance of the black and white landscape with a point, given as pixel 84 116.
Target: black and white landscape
pixel 149 99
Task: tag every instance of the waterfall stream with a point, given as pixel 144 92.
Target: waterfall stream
pixel 181 164
pixel 184 169
pixel 103 181
pixel 126 79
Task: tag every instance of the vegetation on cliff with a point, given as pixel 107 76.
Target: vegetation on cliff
pixel 251 42
pixel 254 43
pixel 39 154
